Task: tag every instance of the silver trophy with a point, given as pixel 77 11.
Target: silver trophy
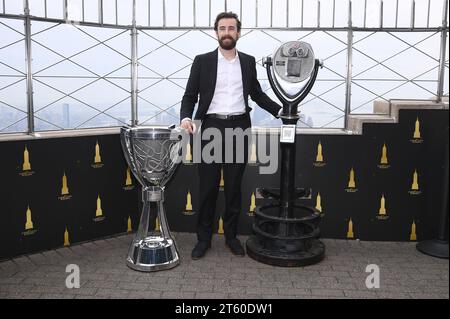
pixel 152 154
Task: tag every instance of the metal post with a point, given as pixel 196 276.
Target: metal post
pixel 381 14
pixel 195 16
pixel 413 14
pixel 240 9
pixel 30 106
pixel 348 80
pixel 318 14
pixel 256 13
pixel 134 70
pixel 164 13
pixel 65 11
pixel 117 13
pixel 302 6
pixel 334 12
pixel 287 13
pixel 271 13
pixel 440 91
pixel 396 14
pixel 365 13
pixel 100 11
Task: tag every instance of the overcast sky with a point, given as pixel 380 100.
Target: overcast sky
pixel 281 9
pixel 172 62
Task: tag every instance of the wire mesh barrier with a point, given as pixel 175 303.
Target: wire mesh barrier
pixel 75 64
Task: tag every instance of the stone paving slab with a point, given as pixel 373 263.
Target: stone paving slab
pixel 405 273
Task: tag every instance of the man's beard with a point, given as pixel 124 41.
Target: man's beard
pixel 229 45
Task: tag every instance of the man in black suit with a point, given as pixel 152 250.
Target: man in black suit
pixel 224 78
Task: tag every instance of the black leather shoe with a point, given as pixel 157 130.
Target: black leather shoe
pixel 235 246
pixel 200 249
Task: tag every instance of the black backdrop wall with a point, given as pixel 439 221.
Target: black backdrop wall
pixel 62 191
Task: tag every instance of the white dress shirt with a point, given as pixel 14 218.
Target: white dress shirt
pixel 228 95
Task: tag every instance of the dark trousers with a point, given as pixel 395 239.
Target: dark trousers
pixel 209 179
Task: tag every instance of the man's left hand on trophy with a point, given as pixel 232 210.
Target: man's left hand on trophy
pixel 188 125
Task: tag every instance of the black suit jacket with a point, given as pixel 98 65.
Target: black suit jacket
pixel 202 80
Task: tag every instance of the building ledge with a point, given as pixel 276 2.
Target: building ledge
pixel 388 112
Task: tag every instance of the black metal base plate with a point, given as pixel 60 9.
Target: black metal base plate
pixel 256 250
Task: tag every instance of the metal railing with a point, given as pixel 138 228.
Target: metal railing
pixel 252 21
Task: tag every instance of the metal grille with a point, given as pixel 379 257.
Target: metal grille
pixel 71 86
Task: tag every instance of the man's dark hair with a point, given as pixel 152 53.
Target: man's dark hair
pixel 227 15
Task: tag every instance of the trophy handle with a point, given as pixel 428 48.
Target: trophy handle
pixel 127 149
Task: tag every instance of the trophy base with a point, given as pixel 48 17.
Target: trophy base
pixel 153 254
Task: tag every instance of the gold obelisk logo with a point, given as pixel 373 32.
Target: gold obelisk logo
pixel 319 202
pixel 382 210
pixel 26 165
pixel 417 129
pixel 350 233
pixel 97 158
pixel 222 181
pixel 382 213
pixel 417 136
pixel 220 230
pixel 188 158
pixel 128 181
pixel 413 235
pixel 415 184
pixel 66 238
pixel 253 158
pixel 99 212
pixel 384 158
pixel 29 222
pixel 188 209
pixel 64 188
pixel 188 201
pixel 29 227
pixel 319 157
pixel 251 210
pixel 351 186
pixel 26 160
pixel 157 225
pixel 351 181
pixel 129 228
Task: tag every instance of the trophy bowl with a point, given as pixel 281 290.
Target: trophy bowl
pixel 152 153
